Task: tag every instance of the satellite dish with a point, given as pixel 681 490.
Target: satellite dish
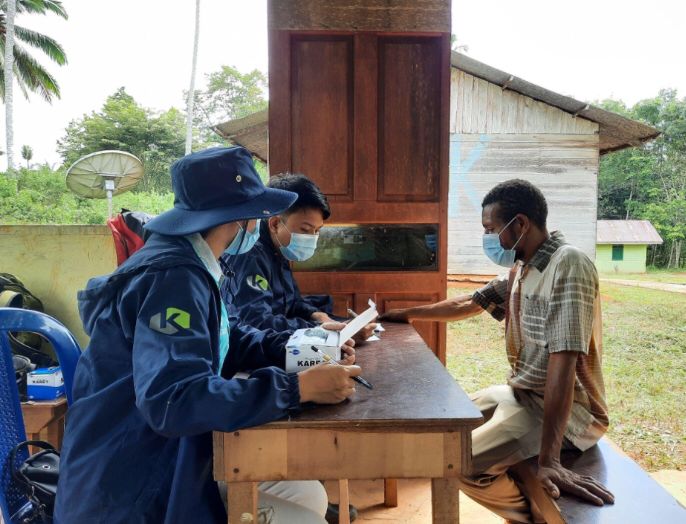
pixel 104 174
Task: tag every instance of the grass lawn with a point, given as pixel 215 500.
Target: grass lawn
pixel 666 276
pixel 644 365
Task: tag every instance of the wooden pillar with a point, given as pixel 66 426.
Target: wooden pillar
pixel 359 102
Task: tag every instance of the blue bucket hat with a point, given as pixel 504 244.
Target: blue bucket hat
pixel 216 186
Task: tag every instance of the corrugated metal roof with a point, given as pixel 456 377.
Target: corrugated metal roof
pixel 627 232
pixel 251 132
pixel 616 132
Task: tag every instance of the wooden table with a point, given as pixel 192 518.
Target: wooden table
pixel 415 423
pixel 44 420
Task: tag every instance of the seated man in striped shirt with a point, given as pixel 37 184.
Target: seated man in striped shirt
pixel 554 398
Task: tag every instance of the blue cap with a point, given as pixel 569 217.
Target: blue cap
pixel 214 187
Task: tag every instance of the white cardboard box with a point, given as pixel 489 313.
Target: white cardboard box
pixel 299 353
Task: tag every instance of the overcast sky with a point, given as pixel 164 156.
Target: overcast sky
pixel 588 49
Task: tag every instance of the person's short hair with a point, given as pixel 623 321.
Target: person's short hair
pixel 309 194
pixel 518 196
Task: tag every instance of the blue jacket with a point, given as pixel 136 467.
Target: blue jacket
pixel 263 291
pixel 147 394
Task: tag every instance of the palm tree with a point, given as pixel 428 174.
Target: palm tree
pixel 11 10
pixel 191 91
pixel 27 154
pixel 30 74
pixel 17 62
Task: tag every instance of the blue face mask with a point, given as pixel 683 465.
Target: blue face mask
pixel 496 252
pixel 300 248
pixel 243 242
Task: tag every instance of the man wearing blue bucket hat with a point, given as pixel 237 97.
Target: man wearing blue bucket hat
pixel 147 390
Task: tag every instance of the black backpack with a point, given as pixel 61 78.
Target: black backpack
pixel 13 293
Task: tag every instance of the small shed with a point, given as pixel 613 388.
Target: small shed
pixel 503 127
pixel 622 245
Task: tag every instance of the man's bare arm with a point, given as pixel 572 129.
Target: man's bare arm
pixel 457 308
pixel 558 400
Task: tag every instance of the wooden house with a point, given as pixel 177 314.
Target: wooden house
pixel 503 127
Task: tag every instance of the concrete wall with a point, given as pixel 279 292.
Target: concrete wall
pixel 634 259
pixel 54 262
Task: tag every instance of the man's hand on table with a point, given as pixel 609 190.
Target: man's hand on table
pixel 395 315
pixel 555 478
pixel 366 332
pixel 327 384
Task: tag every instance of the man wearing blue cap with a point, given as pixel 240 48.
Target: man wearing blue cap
pixel 147 391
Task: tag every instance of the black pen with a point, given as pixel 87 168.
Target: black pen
pixel 330 360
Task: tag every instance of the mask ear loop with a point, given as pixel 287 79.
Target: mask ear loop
pixel 243 232
pixel 508 225
pixel 520 236
pixel 289 232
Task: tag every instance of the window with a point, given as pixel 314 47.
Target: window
pixel 618 252
pixel 375 247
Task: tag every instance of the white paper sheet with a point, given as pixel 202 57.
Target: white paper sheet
pixel 357 323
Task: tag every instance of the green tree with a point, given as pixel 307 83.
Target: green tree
pixel 31 76
pixel 230 94
pixel 27 154
pixel 123 124
pixel 650 182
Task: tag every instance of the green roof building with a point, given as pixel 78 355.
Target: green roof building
pixel 622 245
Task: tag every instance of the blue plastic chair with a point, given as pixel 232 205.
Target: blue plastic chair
pixel 13 504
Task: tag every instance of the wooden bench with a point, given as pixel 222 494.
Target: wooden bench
pixel 638 497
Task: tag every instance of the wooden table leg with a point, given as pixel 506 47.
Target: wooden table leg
pixel 343 502
pixel 445 501
pixel 390 493
pixel 55 432
pixel 242 499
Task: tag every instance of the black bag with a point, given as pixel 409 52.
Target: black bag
pixel 22 367
pixel 14 294
pixel 37 477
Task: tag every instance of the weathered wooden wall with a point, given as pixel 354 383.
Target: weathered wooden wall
pixel 498 134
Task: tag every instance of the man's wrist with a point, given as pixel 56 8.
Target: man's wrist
pixel 410 312
pixel 546 460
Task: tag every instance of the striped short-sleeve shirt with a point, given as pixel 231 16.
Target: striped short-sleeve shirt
pixel 554 305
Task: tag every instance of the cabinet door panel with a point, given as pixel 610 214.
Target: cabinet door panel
pixel 409 119
pixel 322 112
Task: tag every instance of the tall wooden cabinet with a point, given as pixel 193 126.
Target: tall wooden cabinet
pixel 359 102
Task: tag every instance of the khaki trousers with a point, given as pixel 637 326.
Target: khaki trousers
pixel 511 433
